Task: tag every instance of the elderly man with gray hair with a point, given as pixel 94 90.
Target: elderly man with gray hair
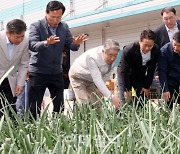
pixel 91 70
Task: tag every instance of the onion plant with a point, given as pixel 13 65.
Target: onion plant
pixel 129 130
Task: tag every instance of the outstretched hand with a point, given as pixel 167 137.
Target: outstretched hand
pixel 146 91
pixel 52 40
pixel 116 101
pixel 166 96
pixel 79 39
pixel 128 95
pixel 19 90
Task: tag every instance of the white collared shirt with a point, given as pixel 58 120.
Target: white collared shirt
pixel 145 57
pixel 10 48
pixel 172 31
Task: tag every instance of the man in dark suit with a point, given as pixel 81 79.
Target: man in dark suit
pixel 170 26
pixel 165 33
pixel 137 65
pixel 169 70
pixel 47 39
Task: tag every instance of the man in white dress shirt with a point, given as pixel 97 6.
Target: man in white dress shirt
pixel 91 70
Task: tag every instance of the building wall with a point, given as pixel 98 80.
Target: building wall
pixel 120 10
pixel 80 12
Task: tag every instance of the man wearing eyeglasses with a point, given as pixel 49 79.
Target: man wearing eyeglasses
pixel 91 70
pixel 47 38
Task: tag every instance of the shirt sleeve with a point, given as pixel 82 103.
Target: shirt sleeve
pixel 97 76
pixel 23 64
pixel 35 44
pixel 125 66
pixel 69 39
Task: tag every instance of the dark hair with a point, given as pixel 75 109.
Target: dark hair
pixel 55 5
pixel 124 47
pixel 167 10
pixel 148 34
pixel 176 37
pixel 16 26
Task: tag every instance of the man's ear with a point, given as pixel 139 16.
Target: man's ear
pixel 7 33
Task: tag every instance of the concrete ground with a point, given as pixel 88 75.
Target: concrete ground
pixel 68 103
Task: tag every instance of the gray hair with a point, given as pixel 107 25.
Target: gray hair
pixel 111 44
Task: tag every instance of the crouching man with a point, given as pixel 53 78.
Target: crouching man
pixel 137 66
pixel 91 70
pixel 169 70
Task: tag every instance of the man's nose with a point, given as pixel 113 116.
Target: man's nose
pixel 147 48
pixel 20 39
pixel 169 21
pixel 113 59
pixel 56 19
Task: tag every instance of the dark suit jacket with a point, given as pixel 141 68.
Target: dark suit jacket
pixel 48 59
pixel 162 34
pixel 131 67
pixel 169 67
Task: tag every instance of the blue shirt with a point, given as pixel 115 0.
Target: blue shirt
pixel 52 30
pixel 10 48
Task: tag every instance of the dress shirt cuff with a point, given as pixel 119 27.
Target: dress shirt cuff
pixel 45 44
pixel 107 93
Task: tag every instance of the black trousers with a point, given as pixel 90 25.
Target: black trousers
pixel 175 95
pixel 6 96
pixel 37 86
